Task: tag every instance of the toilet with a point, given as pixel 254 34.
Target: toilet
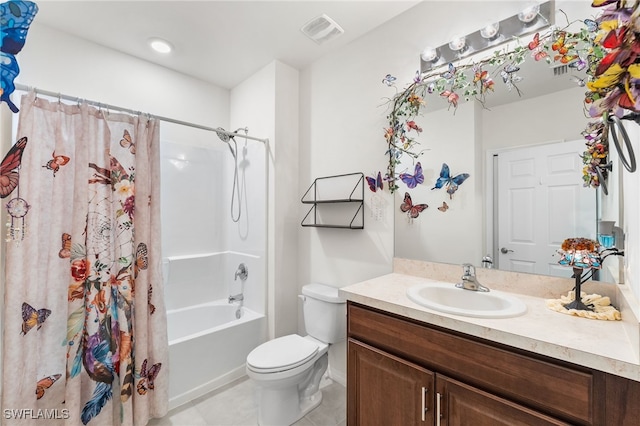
pixel 287 370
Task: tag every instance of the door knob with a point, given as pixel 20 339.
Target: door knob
pixel 505 250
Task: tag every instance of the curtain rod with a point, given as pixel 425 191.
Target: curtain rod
pixel 58 95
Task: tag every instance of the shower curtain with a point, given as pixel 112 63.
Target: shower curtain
pixel 85 338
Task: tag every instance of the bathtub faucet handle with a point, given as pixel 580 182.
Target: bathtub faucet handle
pixel 242 272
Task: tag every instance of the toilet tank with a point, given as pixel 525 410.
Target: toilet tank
pixel 325 313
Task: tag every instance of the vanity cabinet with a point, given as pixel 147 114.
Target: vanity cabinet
pixel 405 372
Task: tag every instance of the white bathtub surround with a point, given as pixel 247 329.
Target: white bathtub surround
pixel 203 277
pixel 609 346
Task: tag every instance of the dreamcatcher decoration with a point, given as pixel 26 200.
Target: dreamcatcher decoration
pixel 16 207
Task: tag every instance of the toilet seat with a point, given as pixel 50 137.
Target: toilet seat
pixel 281 354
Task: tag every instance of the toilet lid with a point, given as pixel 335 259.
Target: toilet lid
pixel 283 353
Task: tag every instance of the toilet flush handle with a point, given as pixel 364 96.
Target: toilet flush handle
pixel 302 297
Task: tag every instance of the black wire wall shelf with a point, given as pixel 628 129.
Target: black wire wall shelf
pixel 330 208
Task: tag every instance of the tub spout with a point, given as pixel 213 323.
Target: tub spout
pixel 236 298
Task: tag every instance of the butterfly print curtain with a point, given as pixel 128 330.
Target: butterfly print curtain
pixel 85 338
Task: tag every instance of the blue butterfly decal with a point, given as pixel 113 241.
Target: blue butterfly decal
pixel 451 183
pixel 375 183
pixel 389 80
pixel 591 25
pixel 415 179
pixel 579 65
pixel 450 73
pixel 15 18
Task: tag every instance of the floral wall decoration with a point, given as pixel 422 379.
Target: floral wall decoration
pixel 606 48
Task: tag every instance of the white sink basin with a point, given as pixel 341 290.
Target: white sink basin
pixel 446 297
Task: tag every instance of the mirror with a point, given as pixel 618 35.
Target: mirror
pixel 545 122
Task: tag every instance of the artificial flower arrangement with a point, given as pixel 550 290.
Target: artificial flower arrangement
pixel 606 48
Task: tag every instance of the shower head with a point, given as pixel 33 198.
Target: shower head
pixel 222 134
pixel 225 137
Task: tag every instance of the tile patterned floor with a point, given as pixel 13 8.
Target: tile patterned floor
pixel 233 405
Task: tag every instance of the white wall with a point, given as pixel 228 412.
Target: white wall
pixel 268 104
pixel 80 68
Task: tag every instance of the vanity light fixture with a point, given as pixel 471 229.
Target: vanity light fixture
pixel 528 21
pixel 160 45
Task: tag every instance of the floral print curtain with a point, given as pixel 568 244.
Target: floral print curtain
pixel 85 338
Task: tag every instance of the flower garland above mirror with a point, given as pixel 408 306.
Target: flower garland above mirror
pixel 605 48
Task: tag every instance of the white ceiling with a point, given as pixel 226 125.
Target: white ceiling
pixel 221 42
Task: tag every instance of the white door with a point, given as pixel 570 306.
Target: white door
pixel 541 202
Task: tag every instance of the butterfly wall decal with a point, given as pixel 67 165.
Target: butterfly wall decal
pixel 55 163
pixel 15 18
pixel 389 80
pixel 375 182
pixel 591 25
pixel 452 97
pixel 127 142
pixel 412 210
pixel 147 377
pixel 579 65
pixel 46 383
pixel 450 182
pixel 32 317
pixel 9 167
pixel 450 73
pixel 65 251
pixel 509 77
pixel 533 44
pixel 415 179
pixel 444 207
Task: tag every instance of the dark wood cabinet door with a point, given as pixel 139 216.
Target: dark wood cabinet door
pixel 464 405
pixel 385 390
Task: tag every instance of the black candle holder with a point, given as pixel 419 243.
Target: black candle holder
pixel 577 302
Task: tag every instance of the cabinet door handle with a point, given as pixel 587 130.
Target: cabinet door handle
pixel 438 413
pixel 425 409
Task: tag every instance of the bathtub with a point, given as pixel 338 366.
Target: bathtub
pixel 208 347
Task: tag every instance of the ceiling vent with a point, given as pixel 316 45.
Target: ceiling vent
pixel 560 70
pixel 322 29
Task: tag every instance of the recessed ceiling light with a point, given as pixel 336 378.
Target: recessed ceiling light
pixel 160 45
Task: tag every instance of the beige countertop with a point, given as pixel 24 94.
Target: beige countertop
pixel 602 345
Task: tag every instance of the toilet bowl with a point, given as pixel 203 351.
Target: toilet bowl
pixel 287 370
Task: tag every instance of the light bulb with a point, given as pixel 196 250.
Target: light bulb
pixel 490 31
pixel 458 43
pixel 160 45
pixel 429 54
pixel 529 14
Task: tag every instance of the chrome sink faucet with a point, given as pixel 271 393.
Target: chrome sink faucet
pixel 469 280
